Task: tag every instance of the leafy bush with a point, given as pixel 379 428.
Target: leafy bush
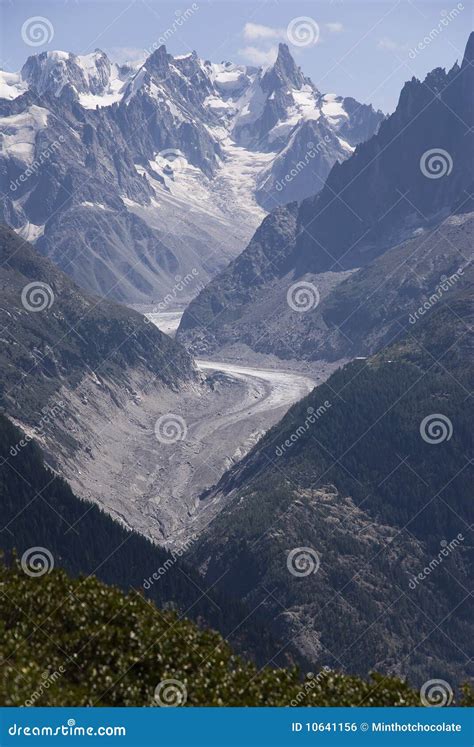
pixel 78 642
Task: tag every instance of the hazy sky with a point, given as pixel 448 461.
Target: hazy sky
pixel 362 49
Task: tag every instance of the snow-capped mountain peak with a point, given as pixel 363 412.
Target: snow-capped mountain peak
pixel 92 79
pixel 284 73
pixel 173 147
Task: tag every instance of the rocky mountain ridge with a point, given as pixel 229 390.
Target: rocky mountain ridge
pixel 131 178
pixel 398 186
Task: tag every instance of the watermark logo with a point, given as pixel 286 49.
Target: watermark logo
pixel 37 31
pixel 47 680
pixel 436 163
pixel 69 729
pixel 37 561
pixel 34 167
pixel 181 283
pixel 180 20
pixel 168 564
pixel 302 296
pixel 171 693
pixel 436 693
pixel 171 161
pixel 311 418
pixel 311 153
pixel 311 682
pixel 303 31
pixel 170 428
pixel 37 296
pixel 436 428
pixel 303 561
pixel 445 284
pixel 446 549
pixel 445 20
pixel 49 414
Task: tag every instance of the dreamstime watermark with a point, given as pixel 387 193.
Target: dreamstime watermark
pixel 444 21
pixel 436 428
pixel 169 563
pixel 47 680
pixel 303 31
pixel 180 20
pixel 37 561
pixel 436 693
pixel 49 414
pixel 37 31
pixel 171 161
pixel 311 153
pixel 66 730
pixel 444 285
pixel 436 163
pixel 181 283
pixel 302 296
pixel 447 549
pixel 170 428
pixel 303 561
pixel 312 682
pixel 171 693
pixel 39 160
pixel 311 418
pixel 37 296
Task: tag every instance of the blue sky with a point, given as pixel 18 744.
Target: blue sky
pixel 363 49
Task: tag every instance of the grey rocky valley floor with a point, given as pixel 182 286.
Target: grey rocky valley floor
pixel 154 487
pixel 96 377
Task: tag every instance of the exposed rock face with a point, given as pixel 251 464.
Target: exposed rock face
pixel 351 313
pixel 311 150
pixel 86 74
pixel 132 178
pixel 387 189
pixel 395 188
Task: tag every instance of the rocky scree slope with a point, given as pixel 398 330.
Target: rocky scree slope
pixel 74 366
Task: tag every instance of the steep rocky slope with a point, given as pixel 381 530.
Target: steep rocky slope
pixel 401 184
pixel 350 522
pixel 348 313
pixel 76 370
pixel 117 406
pixel 54 334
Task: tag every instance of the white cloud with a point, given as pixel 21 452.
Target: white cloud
pixel 257 56
pixel 389 45
pixel 263 51
pixel 254 31
pixel 126 54
pixel 334 27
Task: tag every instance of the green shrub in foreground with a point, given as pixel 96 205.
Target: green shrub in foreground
pixel 66 642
